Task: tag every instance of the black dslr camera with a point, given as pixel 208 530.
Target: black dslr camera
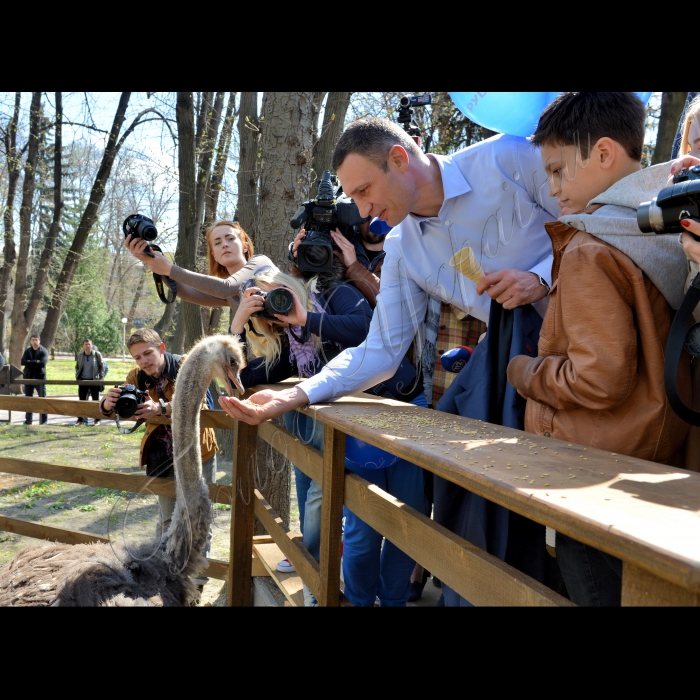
pixel 679 201
pixel 278 301
pixel 319 217
pixel 128 403
pixel 140 226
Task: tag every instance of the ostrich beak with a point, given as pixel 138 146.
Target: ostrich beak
pixel 234 380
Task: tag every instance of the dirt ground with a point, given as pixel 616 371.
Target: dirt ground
pixel 134 517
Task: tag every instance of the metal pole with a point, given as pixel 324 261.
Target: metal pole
pixel 124 320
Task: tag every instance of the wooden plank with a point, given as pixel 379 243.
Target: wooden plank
pixel 639 511
pixel 642 588
pixel 476 575
pixel 240 592
pixel 41 531
pixel 306 458
pixel 303 562
pixel 331 516
pixel 290 584
pixel 135 483
pixel 66 382
pixel 60 407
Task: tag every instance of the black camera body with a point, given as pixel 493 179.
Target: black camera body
pixel 319 217
pixel 128 403
pixel 681 200
pixel 140 226
pixel 278 301
pixel 405 116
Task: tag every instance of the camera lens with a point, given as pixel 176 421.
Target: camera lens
pixel 650 217
pixel 318 255
pixel 147 231
pixel 126 406
pixel 405 102
pixel 280 301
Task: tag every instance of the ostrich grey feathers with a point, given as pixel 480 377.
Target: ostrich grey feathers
pixel 150 575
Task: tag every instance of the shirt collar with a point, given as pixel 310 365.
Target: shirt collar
pixel 454 183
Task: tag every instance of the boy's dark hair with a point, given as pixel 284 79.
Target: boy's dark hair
pixel 34 336
pixel 586 117
pixel 143 335
pixel 373 138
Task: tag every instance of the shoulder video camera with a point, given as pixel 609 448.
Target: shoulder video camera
pixel 128 403
pixel 319 217
pixel 681 200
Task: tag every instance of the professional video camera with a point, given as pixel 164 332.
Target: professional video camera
pixel 406 113
pixel 278 301
pixel 681 200
pixel 319 217
pixel 128 403
pixel 140 226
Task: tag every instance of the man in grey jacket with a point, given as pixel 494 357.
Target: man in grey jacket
pixel 89 365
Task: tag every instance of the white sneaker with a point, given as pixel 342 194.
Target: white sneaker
pixel 285 567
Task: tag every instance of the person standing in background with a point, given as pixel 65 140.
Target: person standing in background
pixel 89 365
pixel 34 362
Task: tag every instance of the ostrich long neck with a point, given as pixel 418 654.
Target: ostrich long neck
pixel 192 383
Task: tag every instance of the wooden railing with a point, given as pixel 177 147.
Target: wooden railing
pixel 645 513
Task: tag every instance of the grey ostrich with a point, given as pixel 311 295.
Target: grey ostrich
pixel 107 574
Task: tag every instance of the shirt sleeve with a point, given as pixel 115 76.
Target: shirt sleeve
pixel 221 289
pixel 400 309
pixel 347 318
pixel 544 269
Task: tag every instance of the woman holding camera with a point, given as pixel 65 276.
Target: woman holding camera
pixel 232 263
pixel 327 316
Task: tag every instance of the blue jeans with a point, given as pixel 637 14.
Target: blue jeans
pixel 592 577
pixel 312 433
pixel 372 566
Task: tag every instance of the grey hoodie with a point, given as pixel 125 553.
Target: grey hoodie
pixel 660 256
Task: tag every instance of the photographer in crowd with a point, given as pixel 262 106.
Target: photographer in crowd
pixel 34 362
pixel 156 375
pixel 89 365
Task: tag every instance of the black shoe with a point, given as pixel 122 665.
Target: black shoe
pixel 80 421
pixel 437 582
pixel 27 422
pixel 416 591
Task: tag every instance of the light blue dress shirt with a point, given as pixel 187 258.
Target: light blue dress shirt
pixel 496 202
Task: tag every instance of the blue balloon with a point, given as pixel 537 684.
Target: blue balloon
pixel 514 113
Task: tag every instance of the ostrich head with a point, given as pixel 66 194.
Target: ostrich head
pixel 224 357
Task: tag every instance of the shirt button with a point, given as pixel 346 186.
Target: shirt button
pixel 442 328
pixel 447 223
pixel 440 352
pixel 547 434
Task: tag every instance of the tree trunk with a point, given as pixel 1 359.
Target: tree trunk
pixel 13 158
pixel 19 324
pixel 222 151
pixel 145 274
pixel 42 274
pixel 248 164
pixel 333 121
pixel 286 146
pixel 165 322
pixel 672 104
pixel 87 221
pixel 189 327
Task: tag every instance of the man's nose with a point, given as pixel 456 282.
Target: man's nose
pixel 365 208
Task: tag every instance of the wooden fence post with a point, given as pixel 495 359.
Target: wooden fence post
pixel 331 516
pixel 641 587
pixel 240 585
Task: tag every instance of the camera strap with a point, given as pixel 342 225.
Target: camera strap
pixel 674 349
pixel 158 279
pixel 123 431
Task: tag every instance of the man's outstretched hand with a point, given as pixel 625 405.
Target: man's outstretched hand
pixel 512 288
pixel 264 405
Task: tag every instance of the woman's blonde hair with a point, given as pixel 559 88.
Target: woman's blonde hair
pixel 269 343
pixel 691 113
pixel 217 269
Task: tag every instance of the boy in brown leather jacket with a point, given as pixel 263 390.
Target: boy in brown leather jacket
pixel 598 379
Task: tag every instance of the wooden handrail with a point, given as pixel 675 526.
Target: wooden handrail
pixel 645 513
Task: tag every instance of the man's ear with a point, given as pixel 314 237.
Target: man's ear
pixel 398 157
pixel 161 347
pixel 606 152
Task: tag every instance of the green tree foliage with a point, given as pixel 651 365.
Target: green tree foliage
pixel 86 314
